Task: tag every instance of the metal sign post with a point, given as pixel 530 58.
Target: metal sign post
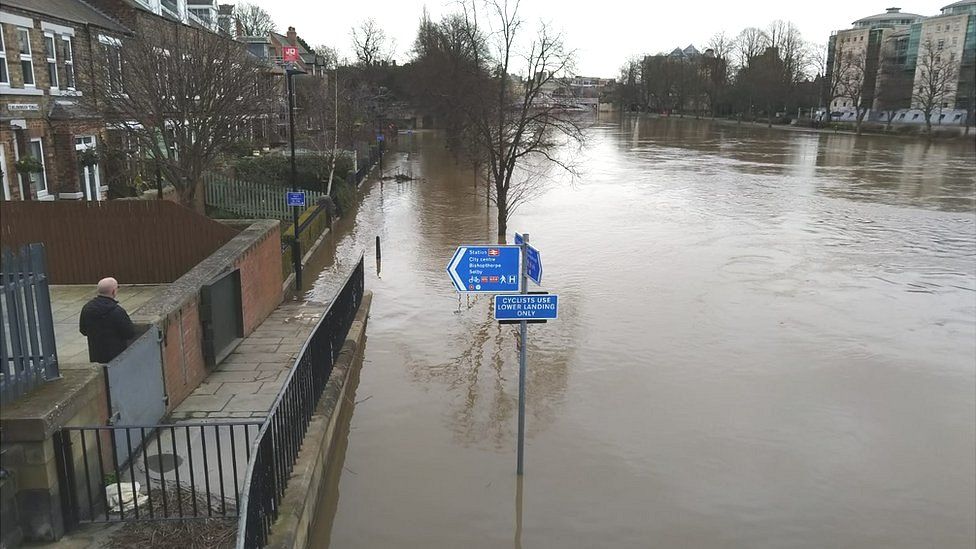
pixel 523 330
pixel 505 271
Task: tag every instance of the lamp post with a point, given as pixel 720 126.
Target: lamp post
pixel 296 246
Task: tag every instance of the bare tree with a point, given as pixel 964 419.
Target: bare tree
pixel 371 44
pixel 518 129
pixel 182 95
pixel 252 20
pixel 851 69
pixel 329 54
pixel 935 81
pixel 750 43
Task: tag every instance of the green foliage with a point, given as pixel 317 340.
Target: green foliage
pixel 345 195
pixel 28 164
pixel 88 157
pixel 239 148
pixel 312 170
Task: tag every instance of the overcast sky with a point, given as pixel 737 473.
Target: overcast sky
pixel 604 32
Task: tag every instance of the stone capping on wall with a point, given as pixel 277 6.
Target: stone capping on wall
pixel 38 414
pixel 299 504
pixel 186 289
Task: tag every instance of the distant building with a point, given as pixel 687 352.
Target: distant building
pixel 891 43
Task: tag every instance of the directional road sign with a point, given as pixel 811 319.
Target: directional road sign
pixel 526 307
pixel 296 199
pixel 487 269
pixel 533 261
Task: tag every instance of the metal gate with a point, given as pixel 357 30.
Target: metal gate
pixel 137 392
pixel 222 316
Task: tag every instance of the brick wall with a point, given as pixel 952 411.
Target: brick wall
pixel 256 251
pixel 183 364
pixel 261 280
pixel 56 132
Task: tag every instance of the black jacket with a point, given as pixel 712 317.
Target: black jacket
pixel 108 328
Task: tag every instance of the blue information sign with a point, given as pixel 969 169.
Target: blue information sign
pixel 526 307
pixel 487 269
pixel 296 198
pixel 533 261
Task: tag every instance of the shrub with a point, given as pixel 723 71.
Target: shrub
pixel 311 170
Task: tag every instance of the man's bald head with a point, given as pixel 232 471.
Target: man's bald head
pixel 108 287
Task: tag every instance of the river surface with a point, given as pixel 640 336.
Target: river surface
pixel 767 338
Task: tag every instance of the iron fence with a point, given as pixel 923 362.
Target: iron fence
pixel 280 439
pixel 28 354
pixel 153 472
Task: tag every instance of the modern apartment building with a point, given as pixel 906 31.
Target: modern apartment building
pixel 890 44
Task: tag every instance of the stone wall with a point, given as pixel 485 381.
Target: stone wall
pixel 29 427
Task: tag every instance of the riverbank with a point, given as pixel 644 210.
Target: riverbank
pixel 942 134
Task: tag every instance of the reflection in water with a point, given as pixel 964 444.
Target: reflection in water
pixel 767 338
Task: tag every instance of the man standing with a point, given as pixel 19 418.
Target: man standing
pixel 106 323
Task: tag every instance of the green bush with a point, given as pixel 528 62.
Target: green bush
pixel 311 170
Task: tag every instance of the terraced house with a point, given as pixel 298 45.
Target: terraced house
pixel 48 137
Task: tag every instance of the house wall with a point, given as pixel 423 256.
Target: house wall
pixel 26 112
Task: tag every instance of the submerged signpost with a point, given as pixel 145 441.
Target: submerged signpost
pixel 506 271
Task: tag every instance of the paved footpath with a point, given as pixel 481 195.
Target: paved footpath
pixel 246 383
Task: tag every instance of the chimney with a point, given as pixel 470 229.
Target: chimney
pixel 292 36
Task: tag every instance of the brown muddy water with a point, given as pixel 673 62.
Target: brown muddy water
pixel 767 338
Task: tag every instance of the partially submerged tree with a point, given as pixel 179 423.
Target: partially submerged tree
pixel 935 81
pixel 252 20
pixel 182 95
pixel 518 127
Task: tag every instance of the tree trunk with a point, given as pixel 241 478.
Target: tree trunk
pixel 501 201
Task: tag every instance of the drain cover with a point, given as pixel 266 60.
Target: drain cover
pixel 163 463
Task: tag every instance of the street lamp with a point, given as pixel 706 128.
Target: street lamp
pixel 296 246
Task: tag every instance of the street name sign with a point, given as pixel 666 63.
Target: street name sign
pixel 533 261
pixel 487 269
pixel 296 198
pixel 526 307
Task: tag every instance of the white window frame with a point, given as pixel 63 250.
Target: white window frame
pixel 69 63
pixel 29 57
pixel 3 179
pixel 51 56
pixel 41 195
pixel 3 59
pixel 112 42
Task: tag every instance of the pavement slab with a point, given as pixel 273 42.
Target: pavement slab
pixel 250 378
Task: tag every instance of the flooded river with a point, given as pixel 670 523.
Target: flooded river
pixel 767 338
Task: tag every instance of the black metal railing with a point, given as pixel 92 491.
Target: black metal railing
pixel 28 354
pixel 280 439
pixel 153 472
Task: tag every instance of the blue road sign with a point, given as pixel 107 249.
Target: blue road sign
pixel 487 269
pixel 533 261
pixel 296 199
pixel 526 307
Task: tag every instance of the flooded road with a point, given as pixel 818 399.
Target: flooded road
pixel 767 338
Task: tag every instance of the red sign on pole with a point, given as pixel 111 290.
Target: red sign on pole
pixel 289 54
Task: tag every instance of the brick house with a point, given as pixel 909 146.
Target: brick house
pixel 45 68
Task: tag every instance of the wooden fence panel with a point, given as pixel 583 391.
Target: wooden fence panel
pixel 136 241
